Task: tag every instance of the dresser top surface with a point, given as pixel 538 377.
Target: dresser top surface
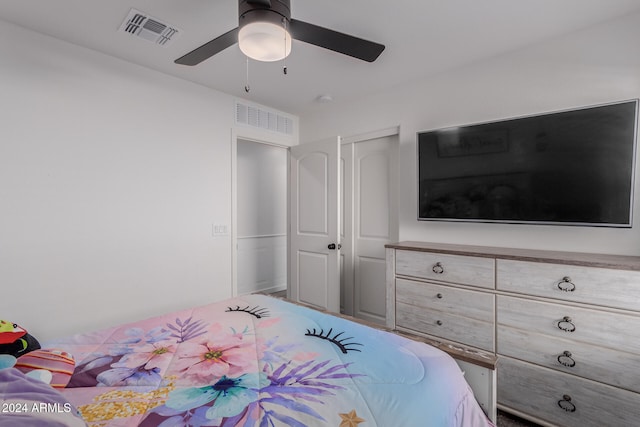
pixel 621 262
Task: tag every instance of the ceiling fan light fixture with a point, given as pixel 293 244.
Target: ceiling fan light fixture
pixel 265 30
pixel 264 41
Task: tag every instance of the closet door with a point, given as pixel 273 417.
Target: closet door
pixel 314 233
pixel 374 223
pixel 346 229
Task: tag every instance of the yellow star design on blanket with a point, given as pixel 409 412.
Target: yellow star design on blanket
pixel 351 419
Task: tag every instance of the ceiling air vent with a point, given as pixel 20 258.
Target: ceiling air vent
pixel 142 25
pixel 259 117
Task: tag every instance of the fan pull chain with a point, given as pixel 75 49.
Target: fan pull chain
pixel 247 88
pixel 284 60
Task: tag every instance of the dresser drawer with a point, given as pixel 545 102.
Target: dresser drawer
pixel 564 399
pixel 458 315
pixel 463 330
pixel 604 329
pixel 433 297
pixel 605 287
pixel 589 361
pixel 466 270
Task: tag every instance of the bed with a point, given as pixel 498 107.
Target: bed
pixel 261 361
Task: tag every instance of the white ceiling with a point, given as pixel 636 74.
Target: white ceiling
pixel 422 37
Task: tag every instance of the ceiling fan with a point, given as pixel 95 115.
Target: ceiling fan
pixel 265 30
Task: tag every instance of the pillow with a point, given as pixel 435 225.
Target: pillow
pixel 58 362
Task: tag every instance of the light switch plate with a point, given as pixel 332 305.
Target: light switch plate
pixel 220 230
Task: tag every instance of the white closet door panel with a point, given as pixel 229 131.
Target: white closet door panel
pixel 346 229
pixel 313 176
pixel 315 224
pixel 373 227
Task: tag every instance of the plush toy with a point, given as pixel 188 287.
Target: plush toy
pixel 15 340
pixel 7 361
pixel 21 351
pixel 51 366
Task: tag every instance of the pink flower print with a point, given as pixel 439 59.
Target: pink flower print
pixel 151 355
pixel 210 360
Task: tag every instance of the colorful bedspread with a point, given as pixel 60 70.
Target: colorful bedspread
pixel 260 361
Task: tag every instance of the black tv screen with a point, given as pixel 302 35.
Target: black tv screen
pixel 564 168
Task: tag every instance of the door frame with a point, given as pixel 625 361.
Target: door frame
pixel 250 135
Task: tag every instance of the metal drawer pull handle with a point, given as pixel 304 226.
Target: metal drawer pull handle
pixel 437 268
pixel 566 324
pixel 439 322
pixel 565 403
pixel 566 285
pixel 439 296
pixel 566 359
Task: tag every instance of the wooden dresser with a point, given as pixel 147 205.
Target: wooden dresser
pixel 565 326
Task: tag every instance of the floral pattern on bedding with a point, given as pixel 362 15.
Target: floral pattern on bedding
pixel 238 390
pixel 254 361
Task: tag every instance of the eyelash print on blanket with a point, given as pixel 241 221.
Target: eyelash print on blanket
pixel 259 361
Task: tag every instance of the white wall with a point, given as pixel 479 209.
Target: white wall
pixel 598 65
pixel 111 176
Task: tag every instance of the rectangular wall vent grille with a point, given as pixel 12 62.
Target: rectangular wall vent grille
pixel 142 25
pixel 258 117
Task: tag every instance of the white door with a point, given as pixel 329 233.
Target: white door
pixel 314 240
pixel 374 223
pixel 346 229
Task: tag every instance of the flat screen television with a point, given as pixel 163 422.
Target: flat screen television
pixel 563 168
